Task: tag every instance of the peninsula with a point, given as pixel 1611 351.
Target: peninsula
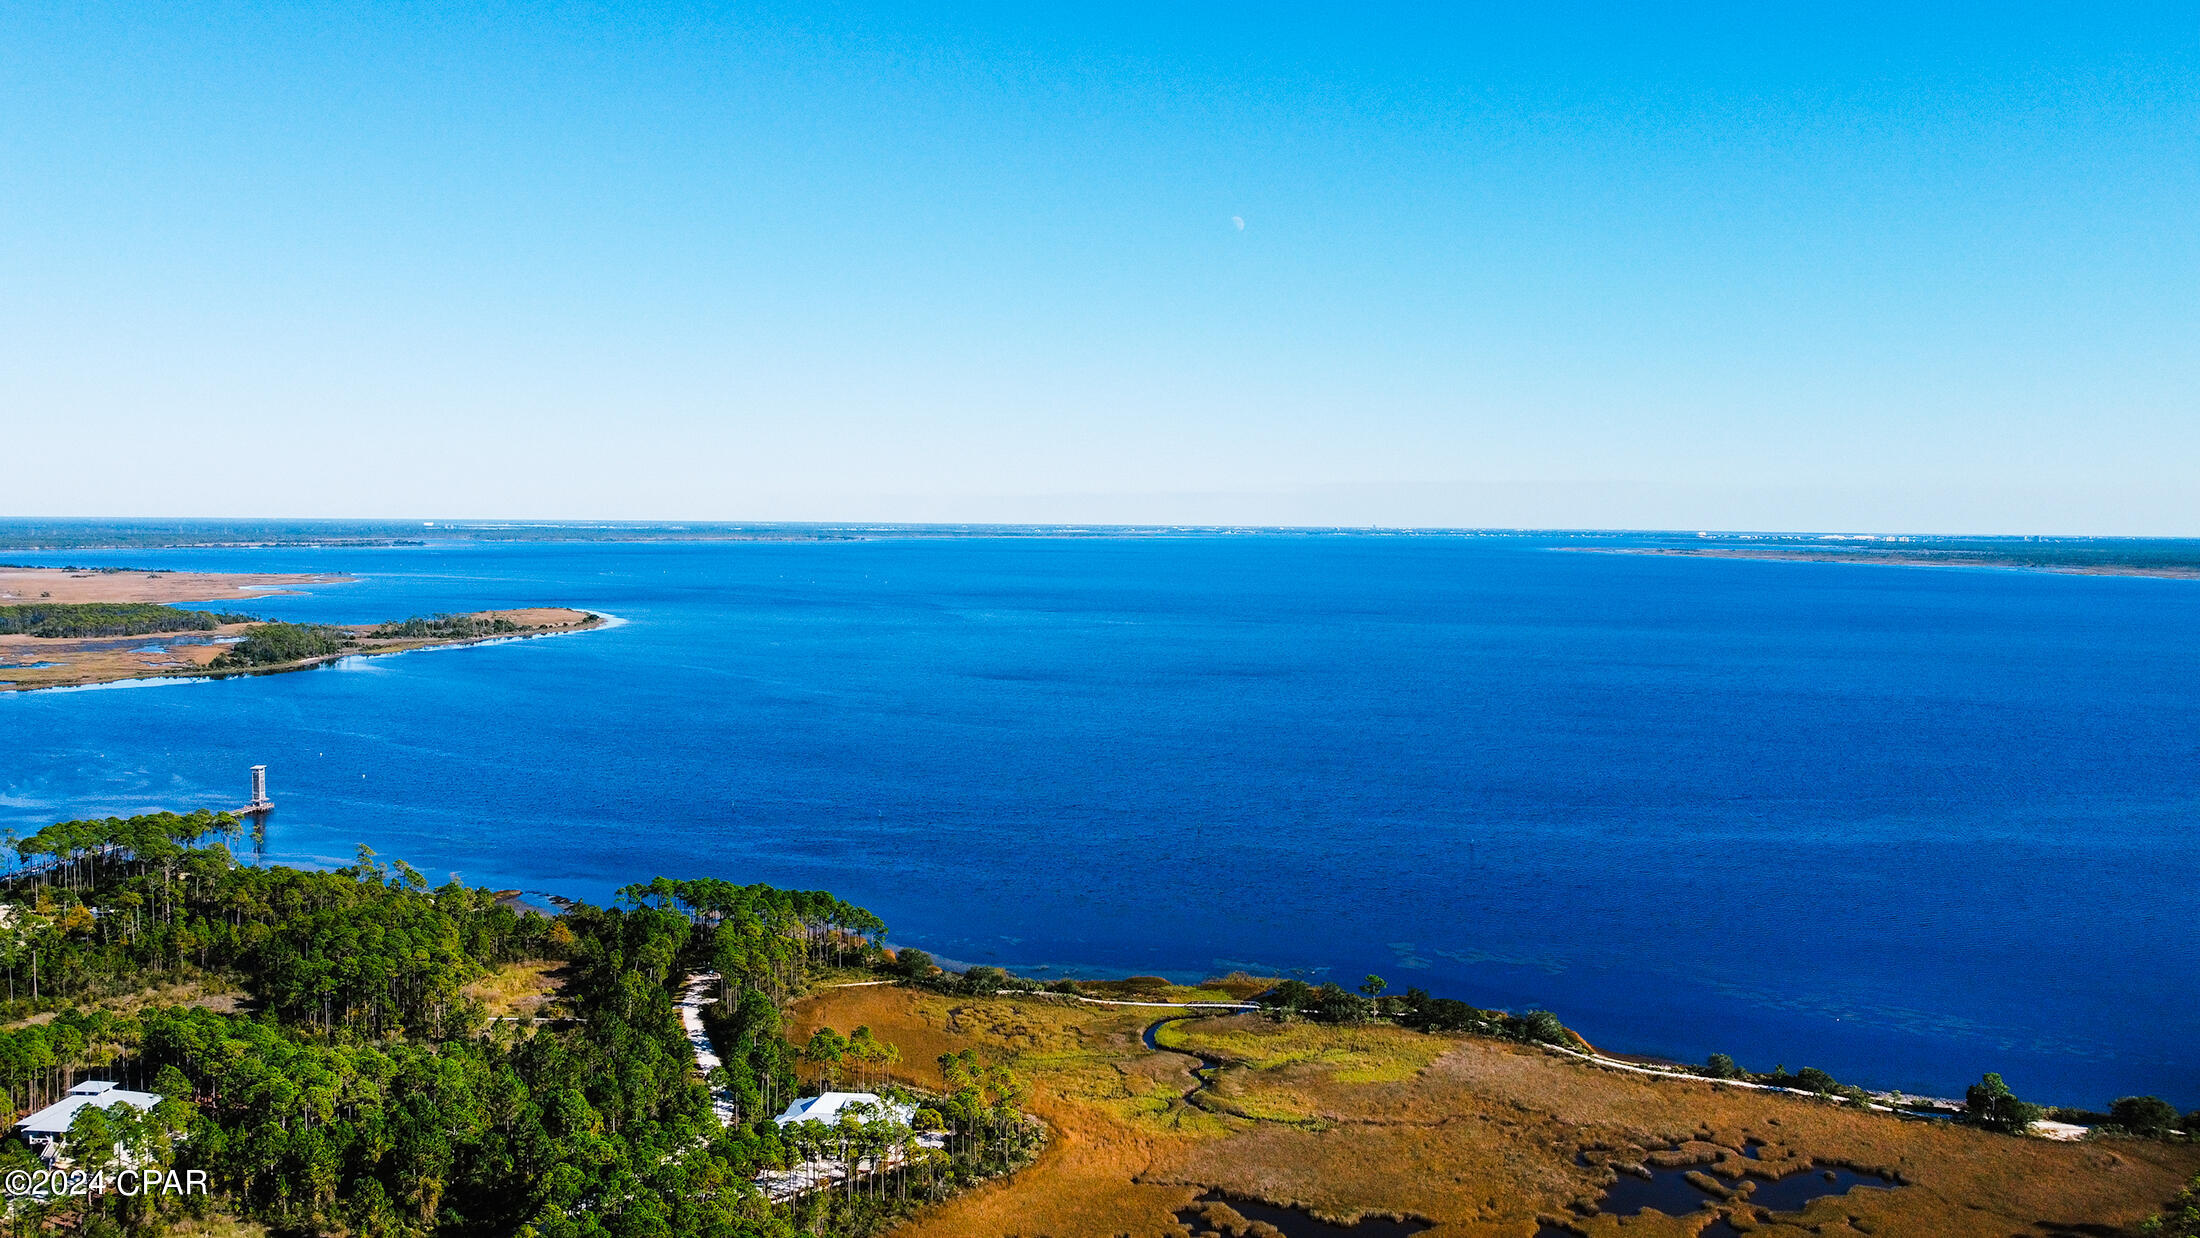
pixel 71 627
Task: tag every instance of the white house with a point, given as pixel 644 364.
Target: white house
pixel 828 1108
pixel 46 1129
pixel 782 1185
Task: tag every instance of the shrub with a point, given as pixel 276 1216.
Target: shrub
pixel 1290 997
pixel 2144 1115
pixel 1333 1004
pixel 1722 1067
pixel 1989 1103
pixel 1539 1027
pixel 272 644
pixel 1812 1079
pixel 1423 1013
pixel 980 980
pixel 1330 1003
pixel 2183 1218
pixel 1447 1014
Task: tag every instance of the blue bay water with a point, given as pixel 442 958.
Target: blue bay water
pixel 1906 825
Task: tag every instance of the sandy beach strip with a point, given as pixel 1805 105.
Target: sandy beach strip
pixel 21 585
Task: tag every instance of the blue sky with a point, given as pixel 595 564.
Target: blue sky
pixel 1747 267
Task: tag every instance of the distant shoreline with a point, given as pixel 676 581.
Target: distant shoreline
pixel 1903 558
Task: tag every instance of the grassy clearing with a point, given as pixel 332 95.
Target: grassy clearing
pixel 214 992
pixel 526 990
pixel 221 1225
pixel 1478 1136
pixel 832 977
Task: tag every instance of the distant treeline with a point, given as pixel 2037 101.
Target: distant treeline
pixel 70 535
pixel 81 619
pixel 2140 554
pixel 49 535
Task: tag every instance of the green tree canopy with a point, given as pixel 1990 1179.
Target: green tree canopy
pixel 1990 1104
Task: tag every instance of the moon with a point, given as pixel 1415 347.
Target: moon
pixel 1238 222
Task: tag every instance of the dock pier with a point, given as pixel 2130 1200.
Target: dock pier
pixel 260 803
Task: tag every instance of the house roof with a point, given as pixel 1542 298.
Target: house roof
pixel 828 1108
pixel 55 1118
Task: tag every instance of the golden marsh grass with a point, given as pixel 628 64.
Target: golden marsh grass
pixel 1481 1138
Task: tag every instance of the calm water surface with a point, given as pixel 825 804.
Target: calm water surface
pixel 1906 825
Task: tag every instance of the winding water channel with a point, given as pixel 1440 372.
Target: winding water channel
pixel 1203 1074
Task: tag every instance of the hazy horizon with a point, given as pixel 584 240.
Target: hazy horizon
pixel 429 527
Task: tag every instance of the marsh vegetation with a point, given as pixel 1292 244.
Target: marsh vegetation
pixel 1490 1135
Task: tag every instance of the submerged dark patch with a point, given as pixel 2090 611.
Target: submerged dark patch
pixel 1294 1223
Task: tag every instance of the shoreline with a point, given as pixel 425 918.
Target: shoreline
pixel 596 621
pixel 147 675
pixel 1894 1103
pixel 1910 1102
pixel 1897 1101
